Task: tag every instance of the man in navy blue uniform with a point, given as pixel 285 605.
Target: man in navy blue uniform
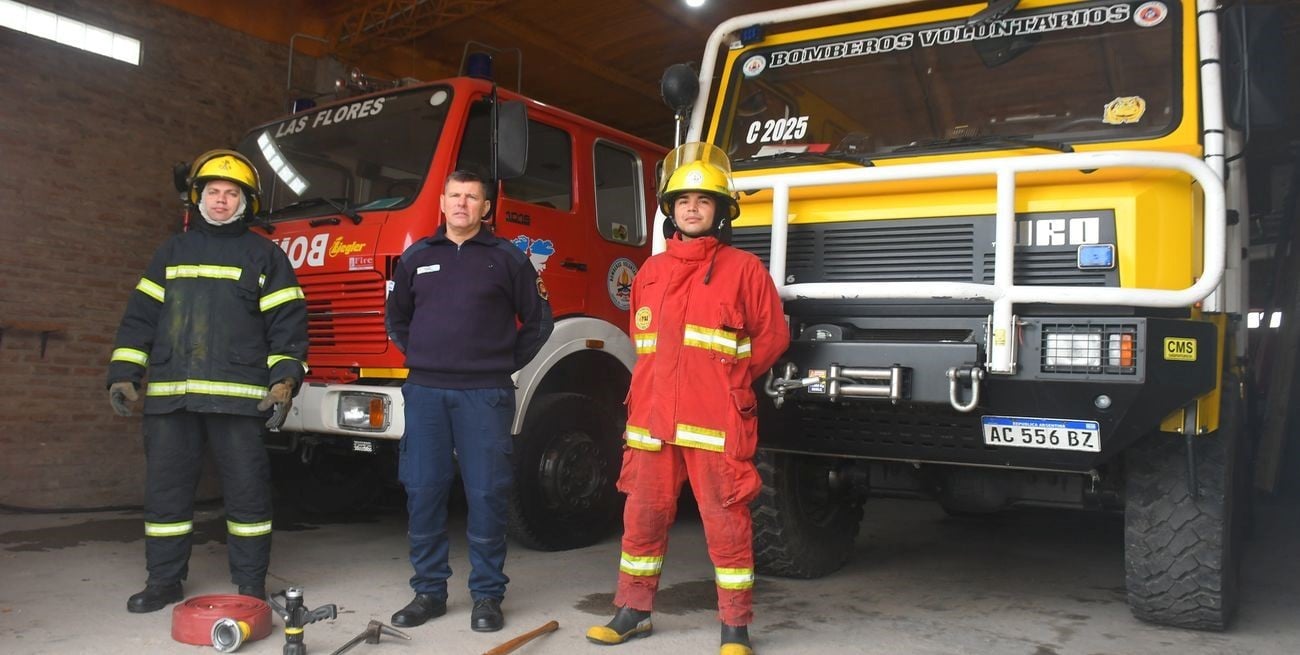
pixel 468 310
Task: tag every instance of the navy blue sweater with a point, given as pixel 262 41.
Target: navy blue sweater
pixel 453 311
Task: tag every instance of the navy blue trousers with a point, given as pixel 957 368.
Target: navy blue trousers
pixel 475 424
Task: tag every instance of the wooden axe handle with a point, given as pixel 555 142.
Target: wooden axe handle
pixel 523 639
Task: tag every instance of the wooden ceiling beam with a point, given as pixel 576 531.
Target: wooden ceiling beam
pixel 519 32
pixel 380 24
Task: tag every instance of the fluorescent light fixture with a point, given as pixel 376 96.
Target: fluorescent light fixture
pixel 68 31
pixel 283 169
pixel 694 4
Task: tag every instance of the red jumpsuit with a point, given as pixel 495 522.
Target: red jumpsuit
pixel 692 412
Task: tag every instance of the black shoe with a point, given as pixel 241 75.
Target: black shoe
pixel 154 598
pixel 421 608
pixel 735 640
pixel 626 624
pixel 257 591
pixel 487 616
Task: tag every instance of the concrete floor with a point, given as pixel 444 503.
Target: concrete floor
pixel 1026 582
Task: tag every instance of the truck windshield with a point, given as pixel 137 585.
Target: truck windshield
pixel 1083 72
pixel 370 154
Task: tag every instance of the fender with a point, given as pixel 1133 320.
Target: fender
pixel 316 407
pixel 570 335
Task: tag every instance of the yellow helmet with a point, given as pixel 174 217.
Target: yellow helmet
pixel 226 165
pixel 699 167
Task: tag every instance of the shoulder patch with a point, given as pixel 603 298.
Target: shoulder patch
pixel 541 289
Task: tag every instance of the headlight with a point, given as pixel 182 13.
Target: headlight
pixel 1066 350
pixel 1107 348
pixel 363 411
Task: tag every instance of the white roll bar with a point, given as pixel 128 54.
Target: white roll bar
pixel 1003 292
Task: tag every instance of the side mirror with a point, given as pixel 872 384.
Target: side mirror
pixel 181 176
pixel 512 139
pixel 1255 79
pixel 679 87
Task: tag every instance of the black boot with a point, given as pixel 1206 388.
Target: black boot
pixel 154 598
pixel 421 608
pixel 486 615
pixel 626 624
pixel 257 591
pixel 735 640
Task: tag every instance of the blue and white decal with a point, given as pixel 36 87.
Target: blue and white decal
pixel 538 250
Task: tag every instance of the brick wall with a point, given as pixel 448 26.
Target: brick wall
pixel 86 148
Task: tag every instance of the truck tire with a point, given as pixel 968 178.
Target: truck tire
pixel 1180 555
pixel 803 528
pixel 566 462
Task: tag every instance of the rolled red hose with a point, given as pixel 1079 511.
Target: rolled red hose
pixel 192 619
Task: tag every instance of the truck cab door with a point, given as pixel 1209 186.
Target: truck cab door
pixel 538 211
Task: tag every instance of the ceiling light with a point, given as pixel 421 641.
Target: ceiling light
pixel 694 4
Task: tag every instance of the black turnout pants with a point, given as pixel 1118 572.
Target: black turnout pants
pixel 173 445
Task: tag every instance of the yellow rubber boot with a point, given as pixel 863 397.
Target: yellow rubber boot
pixel 735 640
pixel 626 624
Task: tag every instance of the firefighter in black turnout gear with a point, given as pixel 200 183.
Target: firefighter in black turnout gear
pixel 220 324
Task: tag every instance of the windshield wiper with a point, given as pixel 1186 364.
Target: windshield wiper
pixel 801 157
pixel 991 140
pixel 341 207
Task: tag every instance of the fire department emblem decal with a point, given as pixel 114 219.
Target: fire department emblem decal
pixel 643 318
pixel 618 282
pixel 1150 14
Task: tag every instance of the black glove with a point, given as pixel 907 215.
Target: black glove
pixel 118 395
pixel 280 395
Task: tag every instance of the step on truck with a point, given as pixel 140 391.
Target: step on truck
pixel 1011 268
pixel 350 184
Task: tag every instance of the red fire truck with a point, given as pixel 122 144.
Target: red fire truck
pixel 349 185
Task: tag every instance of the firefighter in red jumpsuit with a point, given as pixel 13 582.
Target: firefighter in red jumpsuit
pixel 706 321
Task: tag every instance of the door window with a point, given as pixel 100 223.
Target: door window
pixel 620 212
pixel 548 180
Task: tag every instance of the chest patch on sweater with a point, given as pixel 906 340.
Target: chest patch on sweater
pixel 431 268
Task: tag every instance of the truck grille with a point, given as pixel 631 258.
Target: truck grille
pixel 345 312
pixel 930 250
pixel 915 428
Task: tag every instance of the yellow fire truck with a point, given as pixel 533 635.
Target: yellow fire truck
pixel 1007 252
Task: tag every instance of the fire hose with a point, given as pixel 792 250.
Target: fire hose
pixel 193 620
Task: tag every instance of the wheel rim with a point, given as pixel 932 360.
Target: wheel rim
pixel 571 473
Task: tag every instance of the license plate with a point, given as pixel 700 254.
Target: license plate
pixel 1051 433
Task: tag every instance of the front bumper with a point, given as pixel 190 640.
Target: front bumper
pixel 922 425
